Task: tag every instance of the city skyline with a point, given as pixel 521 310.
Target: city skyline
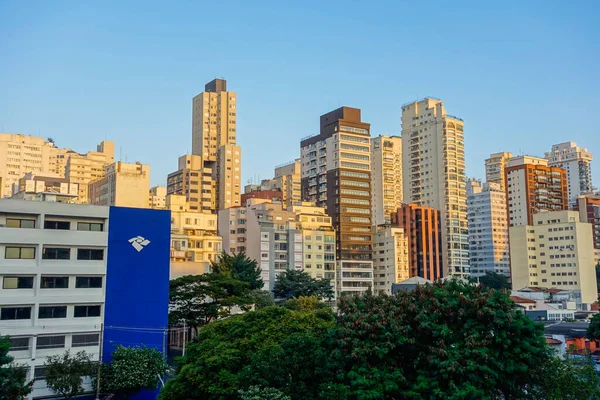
pixel 57 89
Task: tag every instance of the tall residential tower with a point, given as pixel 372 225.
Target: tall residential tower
pixel 336 174
pixel 386 177
pixel 214 140
pixel 576 161
pixel 433 168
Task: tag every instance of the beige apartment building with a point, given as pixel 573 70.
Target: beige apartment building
pixel 34 186
pixel 157 198
pixel 300 238
pixel 194 182
pixel 214 141
pixel 494 168
pixel 84 168
pixel 576 161
pixel 390 258
pixel 124 185
pixel 386 178
pixel 556 251
pixel 288 179
pixel 532 186
pixel 433 167
pixel 194 240
pixel 21 154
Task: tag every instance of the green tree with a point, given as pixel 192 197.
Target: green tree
pixel 13 377
pixel 258 393
pixel 131 370
pixel 201 299
pixel 304 303
pixel 567 379
pixel 239 267
pixel 298 283
pixel 64 373
pixel 593 331
pixel 494 280
pixel 261 299
pixel 447 340
pixel 271 348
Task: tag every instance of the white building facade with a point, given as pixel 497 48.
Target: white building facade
pixel 577 162
pixel 488 228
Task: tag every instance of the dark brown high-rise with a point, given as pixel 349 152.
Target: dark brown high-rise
pixel 422 228
pixel 336 174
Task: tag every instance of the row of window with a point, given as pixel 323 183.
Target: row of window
pixel 51 282
pixel 49 224
pixel 52 253
pixel 54 342
pixel 47 312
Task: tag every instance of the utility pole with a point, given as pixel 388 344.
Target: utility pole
pixel 99 362
pixel 165 343
pixel 184 336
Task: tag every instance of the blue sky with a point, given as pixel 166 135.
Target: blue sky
pixel 522 74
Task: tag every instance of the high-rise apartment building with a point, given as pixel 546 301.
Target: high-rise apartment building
pixel 576 161
pixel 532 186
pixel 488 228
pixel 390 258
pixel 555 251
pixel 300 238
pixel 84 168
pixel 433 168
pixel 194 240
pixel 21 154
pixel 195 182
pixel 288 178
pixel 157 198
pixel 336 175
pixel 214 140
pixel 422 228
pixel 494 168
pixel 386 177
pixel 123 185
pixel 589 211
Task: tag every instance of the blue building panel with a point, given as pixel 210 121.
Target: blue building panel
pixel 137 280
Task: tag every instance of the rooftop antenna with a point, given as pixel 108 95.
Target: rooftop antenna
pixel 120 153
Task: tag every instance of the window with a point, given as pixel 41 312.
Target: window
pixel 50 342
pixel 90 254
pixel 90 226
pixel 87 339
pixel 56 253
pixel 82 282
pixel 62 225
pixel 52 312
pixel 54 282
pixel 8 313
pixel 17 282
pixel 25 253
pixel 87 311
pixel 39 373
pixel 20 223
pixel 19 343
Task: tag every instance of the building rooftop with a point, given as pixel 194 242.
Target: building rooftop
pixel 519 299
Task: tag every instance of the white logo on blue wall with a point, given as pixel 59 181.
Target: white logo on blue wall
pixel 139 243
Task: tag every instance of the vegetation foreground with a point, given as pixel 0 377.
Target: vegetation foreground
pixel 443 341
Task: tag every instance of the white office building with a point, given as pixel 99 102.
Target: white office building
pixel 52 281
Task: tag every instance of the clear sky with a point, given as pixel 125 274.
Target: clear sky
pixel 522 74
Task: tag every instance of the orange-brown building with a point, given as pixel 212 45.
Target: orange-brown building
pixel 422 228
pixel 589 211
pixel 275 196
pixel 532 186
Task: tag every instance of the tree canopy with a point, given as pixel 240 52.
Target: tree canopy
pixel 13 377
pixel 271 348
pixel 299 283
pixel 131 370
pixel 65 372
pixel 494 280
pixel 449 340
pixel 239 267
